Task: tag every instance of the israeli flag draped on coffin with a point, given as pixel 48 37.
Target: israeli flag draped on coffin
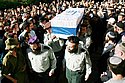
pixel 66 23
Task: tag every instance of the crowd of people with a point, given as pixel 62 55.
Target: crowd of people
pixel 31 53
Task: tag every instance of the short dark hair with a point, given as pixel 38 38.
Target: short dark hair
pixel 120 25
pixel 73 39
pixel 26 24
pixel 117 65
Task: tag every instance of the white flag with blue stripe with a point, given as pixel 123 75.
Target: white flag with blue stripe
pixel 66 23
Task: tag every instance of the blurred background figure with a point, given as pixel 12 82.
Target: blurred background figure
pixel 14 64
pixel 117 67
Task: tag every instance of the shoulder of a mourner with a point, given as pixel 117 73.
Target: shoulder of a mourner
pixel 29 50
pixel 8 55
pixel 6 58
pixel 46 47
pixel 83 51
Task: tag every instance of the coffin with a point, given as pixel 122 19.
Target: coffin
pixel 66 23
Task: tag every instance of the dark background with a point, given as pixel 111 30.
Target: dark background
pixel 6 4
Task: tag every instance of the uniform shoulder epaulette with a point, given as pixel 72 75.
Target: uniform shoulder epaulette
pixel 46 47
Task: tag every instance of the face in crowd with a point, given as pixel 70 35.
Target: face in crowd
pixel 72 44
pixel 120 50
pixel 72 47
pixel 34 45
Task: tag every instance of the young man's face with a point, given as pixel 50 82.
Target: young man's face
pixel 34 46
pixel 120 18
pixel 84 30
pixel 72 47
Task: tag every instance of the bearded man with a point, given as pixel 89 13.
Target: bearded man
pixel 78 63
pixel 41 62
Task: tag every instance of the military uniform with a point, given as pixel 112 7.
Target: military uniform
pixel 78 66
pixel 15 66
pixel 40 64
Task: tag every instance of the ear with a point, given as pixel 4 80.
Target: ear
pixel 122 54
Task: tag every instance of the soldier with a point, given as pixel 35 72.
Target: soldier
pixel 14 65
pixel 41 61
pixel 78 63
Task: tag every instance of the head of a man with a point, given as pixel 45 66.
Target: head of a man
pixel 116 65
pixel 119 27
pixel 11 44
pixel 34 45
pixel 110 36
pixel 120 17
pixel 120 50
pixel 72 44
pixel 111 21
pixel 83 28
